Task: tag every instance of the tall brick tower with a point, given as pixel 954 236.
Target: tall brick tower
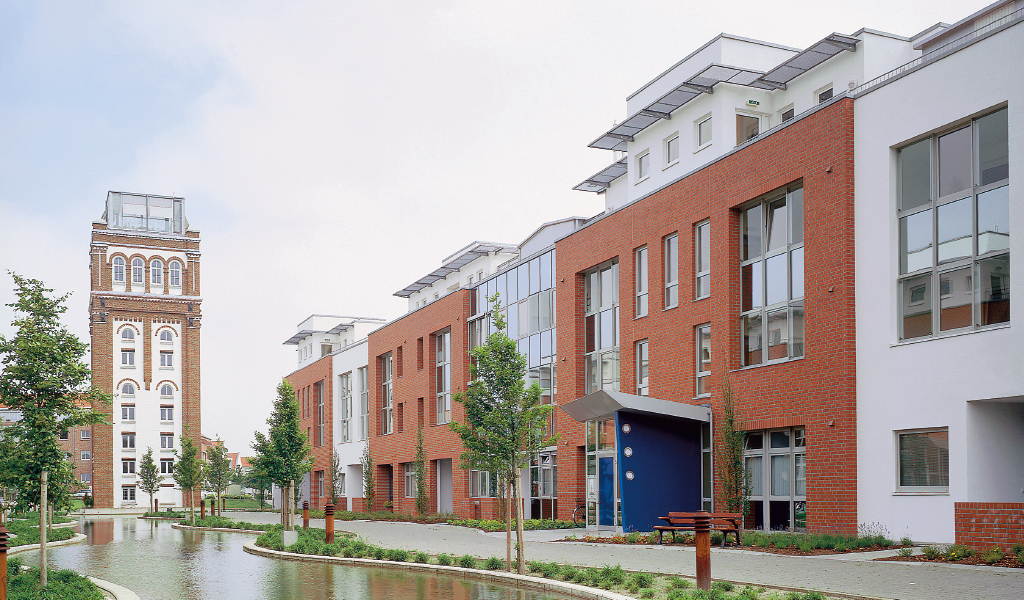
pixel 144 318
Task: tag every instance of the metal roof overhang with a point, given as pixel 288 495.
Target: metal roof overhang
pixel 600 181
pixel 448 268
pixel 298 337
pixel 603 405
pixel 705 81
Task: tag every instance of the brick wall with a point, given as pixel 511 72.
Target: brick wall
pixel 817 391
pixel 304 381
pixel 982 525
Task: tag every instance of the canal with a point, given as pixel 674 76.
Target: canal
pixel 159 562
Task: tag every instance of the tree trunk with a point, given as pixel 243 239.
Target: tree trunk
pixel 291 504
pixel 42 531
pixel 520 556
pixel 507 492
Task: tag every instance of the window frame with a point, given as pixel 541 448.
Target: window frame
pixel 918 490
pixel 698 239
pixel 345 405
pixel 166 359
pixel 702 376
pixel 641 283
pixel 443 376
pixel 364 403
pixel 642 353
pixel 596 306
pixel 127 440
pixel 174 270
pixel 156 273
pixel 127 358
pixel 128 466
pixel 409 479
pixel 167 466
pixel 86 434
pixel 643 166
pixel 697 143
pixel 667 149
pixel 138 271
pixel 818 93
pixel 86 455
pixel 167 438
pixel 167 414
pixel 670 249
pixel 118 267
pixel 387 390
pixel 128 412
pixel 169 337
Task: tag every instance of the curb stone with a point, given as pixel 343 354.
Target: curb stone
pixel 221 529
pixel 117 591
pixel 79 538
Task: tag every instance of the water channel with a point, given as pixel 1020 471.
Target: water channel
pixel 161 563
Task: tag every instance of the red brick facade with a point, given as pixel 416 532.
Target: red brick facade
pixel 982 525
pixel 817 391
pixel 312 383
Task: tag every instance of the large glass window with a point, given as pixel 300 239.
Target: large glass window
pixel 601 328
pixel 345 406
pixel 156 275
pixel 923 461
pixel 776 466
pixel 643 364
pixel 174 273
pixel 386 399
pixel 409 470
pixel 954 227
pixel 118 266
pixel 671 261
pixel 772 278
pixel 482 484
pixel 138 270
pixel 364 403
pixel 702 260
pixel 640 277
pixel 443 375
pixel 703 359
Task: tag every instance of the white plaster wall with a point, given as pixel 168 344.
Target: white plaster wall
pixel 350 453
pixel 928 383
pixel 488 264
pixel 995 452
pixel 148 253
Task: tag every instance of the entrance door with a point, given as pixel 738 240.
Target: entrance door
pixel 444 485
pixel 606 492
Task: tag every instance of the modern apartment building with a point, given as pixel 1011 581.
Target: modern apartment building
pixel 144 321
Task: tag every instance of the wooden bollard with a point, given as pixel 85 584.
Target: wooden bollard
pixel 305 515
pixel 702 532
pixel 4 534
pixel 223 505
pixel 329 514
pixel 213 507
pixel 156 505
pixel 202 509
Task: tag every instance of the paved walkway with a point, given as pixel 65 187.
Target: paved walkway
pixel 905 581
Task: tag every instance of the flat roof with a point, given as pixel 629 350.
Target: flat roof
pixel 455 262
pixel 604 404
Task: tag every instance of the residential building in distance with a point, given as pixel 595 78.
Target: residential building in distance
pixel 144 321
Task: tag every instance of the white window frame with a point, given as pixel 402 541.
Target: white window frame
pixel 166 441
pixel 642 298
pixel 156 273
pixel 128 335
pixel 670 272
pixel 127 412
pixel 127 358
pixel 409 479
pixel 701 232
pixel 697 144
pixel 443 376
pixel 919 490
pixel 387 424
pixel 167 466
pixel 345 407
pixel 702 376
pixel 130 394
pixel 667 147
pixel 166 337
pixel 128 466
pixel 785 109
pixel 482 484
pixel 86 478
pixel 128 440
pixel 818 92
pixel 166 391
pixel 762 123
pixel 364 403
pixel 643 166
pixel 118 266
pixel 166 359
pixel 86 455
pixel 643 356
pixel 128 493
pixel 86 434
pixel 138 271
pixel 174 269
pixel 167 413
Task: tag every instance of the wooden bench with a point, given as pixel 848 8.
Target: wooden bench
pixel 684 521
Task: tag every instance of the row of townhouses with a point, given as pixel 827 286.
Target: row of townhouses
pixel 824 230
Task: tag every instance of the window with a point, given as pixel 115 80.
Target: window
pixel 318 397
pixel 127 357
pixel 166 391
pixel 320 484
pixel 86 477
pixel 776 465
pixel 166 440
pixel 702 261
pixel 340 483
pixel 128 412
pixel 364 403
pixel 672 149
pixel 747 128
pixel 166 359
pixel 640 277
pixel 86 434
pixel 703 359
pixel 86 455
pixel 772 278
pixel 127 334
pixel 387 406
pixel 788 114
pixel 443 375
pixel 602 328
pixel 128 493
pixel 954 227
pixel 128 441
pixel 824 95
pixel 482 484
pixel 174 273
pixel 419 354
pixel 671 260
pixel 128 466
pixel 118 269
pixel 166 337
pixel 64 435
pixel 345 406
pixel 703 132
pixel 642 369
pixel 138 270
pixel 923 461
pixel 166 413
pixel 166 466
pixel 643 166
pixel 128 390
pixel 410 480
pixel 156 273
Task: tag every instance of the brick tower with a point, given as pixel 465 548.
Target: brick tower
pixel 144 318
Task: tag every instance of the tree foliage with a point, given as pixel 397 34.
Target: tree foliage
pixel 731 472
pixel 420 468
pixel 335 477
pixel 505 424
pixel 284 454
pixel 218 470
pixel 369 478
pixel 149 476
pixel 44 377
pixel 188 471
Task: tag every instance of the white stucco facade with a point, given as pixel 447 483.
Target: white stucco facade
pixel 970 383
pixel 351 418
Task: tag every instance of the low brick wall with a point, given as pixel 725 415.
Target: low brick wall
pixel 982 525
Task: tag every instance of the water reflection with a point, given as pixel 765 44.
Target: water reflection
pixel 162 563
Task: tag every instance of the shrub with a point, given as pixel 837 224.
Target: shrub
pixel 1017 548
pixel 494 564
pixel 905 552
pixel 633 537
pixel 993 556
pixel 906 541
pixel 397 555
pixel 616 575
pixel 716 538
pixel 958 552
pixel 569 573
pixel 421 557
pixel 725 586
pixel 652 537
pixel 641 580
pixel 750 592
pixel 467 562
pixel 647 593
pixel 931 552
pixel 445 559
pixel 534 566
pixel 376 552
pixel 678 583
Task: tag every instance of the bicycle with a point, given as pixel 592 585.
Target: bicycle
pixel 579 515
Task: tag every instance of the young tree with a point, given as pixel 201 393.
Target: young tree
pixel 505 422
pixel 336 478
pixel 420 467
pixel 369 478
pixel 149 476
pixel 731 472
pixel 188 471
pixel 218 470
pixel 257 480
pixel 284 454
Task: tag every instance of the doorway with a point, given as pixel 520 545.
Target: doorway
pixel 444 485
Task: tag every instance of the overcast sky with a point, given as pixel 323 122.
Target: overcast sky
pixel 330 153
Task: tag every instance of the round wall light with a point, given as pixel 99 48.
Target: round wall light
pixel 629 475
pixel 626 428
pixel 627 451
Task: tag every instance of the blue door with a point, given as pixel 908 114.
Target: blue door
pixel 606 491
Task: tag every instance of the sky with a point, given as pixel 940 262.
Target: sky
pixel 331 153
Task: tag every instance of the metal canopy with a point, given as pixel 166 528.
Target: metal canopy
pixel 705 81
pixel 450 267
pixel 604 404
pixel 600 181
pixel 298 337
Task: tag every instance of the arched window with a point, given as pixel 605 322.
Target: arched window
pixel 166 337
pixel 156 272
pixel 175 273
pixel 138 270
pixel 166 391
pixel 128 334
pixel 127 390
pixel 118 269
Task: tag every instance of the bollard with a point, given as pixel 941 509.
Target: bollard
pixel 156 505
pixel 202 509
pixel 223 505
pixel 329 514
pixel 305 515
pixel 3 562
pixel 702 531
pixel 213 507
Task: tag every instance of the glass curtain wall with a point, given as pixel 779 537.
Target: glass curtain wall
pixel 776 465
